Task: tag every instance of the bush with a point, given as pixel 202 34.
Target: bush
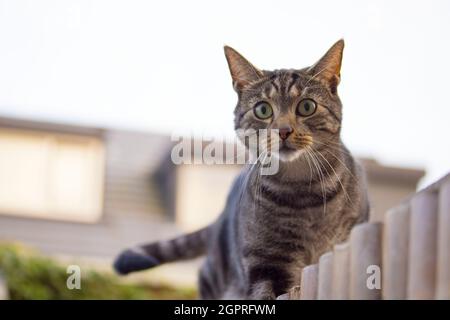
pixel 30 275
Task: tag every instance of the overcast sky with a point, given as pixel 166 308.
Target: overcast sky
pixel 159 66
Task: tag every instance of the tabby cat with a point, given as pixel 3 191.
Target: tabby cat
pixel 274 225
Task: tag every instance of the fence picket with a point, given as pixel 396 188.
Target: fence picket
pixel 341 271
pixel 365 254
pixel 395 252
pixel 308 287
pixel 443 245
pixel 325 280
pixel 422 248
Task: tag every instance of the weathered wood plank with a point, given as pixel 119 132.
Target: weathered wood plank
pixel 325 280
pixel 443 245
pixel 308 287
pixel 341 271
pixel 422 248
pixel 365 254
pixel 284 296
pixel 395 252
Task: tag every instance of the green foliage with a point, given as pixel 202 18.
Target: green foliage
pixel 33 276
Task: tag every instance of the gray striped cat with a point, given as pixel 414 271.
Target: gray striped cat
pixel 274 225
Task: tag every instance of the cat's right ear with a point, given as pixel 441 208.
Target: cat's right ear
pixel 242 71
pixel 328 68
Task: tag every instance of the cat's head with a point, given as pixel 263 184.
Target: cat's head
pixel 302 104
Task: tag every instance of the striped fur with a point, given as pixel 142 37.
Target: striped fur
pixel 273 225
pixel 150 255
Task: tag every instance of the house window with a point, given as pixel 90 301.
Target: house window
pixel 51 175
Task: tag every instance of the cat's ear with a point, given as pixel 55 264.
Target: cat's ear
pixel 328 68
pixel 242 72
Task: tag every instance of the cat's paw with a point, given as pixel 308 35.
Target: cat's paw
pixel 263 295
pixel 267 297
pixel 131 260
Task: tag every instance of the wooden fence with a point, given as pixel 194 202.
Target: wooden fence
pixel 407 256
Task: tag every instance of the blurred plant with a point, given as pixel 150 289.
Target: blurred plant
pixel 30 275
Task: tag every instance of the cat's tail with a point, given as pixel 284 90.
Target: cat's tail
pixel 147 256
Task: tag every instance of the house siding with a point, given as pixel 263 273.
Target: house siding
pixel 133 211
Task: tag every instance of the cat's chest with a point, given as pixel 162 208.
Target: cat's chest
pixel 308 232
pixel 305 200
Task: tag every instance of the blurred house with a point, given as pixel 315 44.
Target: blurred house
pixel 77 190
pixel 89 192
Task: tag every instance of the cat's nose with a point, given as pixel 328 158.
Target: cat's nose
pixel 285 132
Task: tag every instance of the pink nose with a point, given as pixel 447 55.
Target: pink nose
pixel 285 132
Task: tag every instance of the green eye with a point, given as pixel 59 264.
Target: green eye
pixel 263 110
pixel 306 107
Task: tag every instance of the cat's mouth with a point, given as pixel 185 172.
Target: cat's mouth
pixel 286 148
pixel 287 152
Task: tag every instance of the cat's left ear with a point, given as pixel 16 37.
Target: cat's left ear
pixel 242 71
pixel 328 68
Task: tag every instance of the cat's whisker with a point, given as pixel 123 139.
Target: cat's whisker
pixel 336 147
pixel 344 165
pixel 315 75
pixel 329 150
pixel 257 190
pixel 321 177
pixel 310 170
pixel 258 185
pixel 313 87
pixel 320 163
pixel 329 142
pixel 335 173
pixel 322 182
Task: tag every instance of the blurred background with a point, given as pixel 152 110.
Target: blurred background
pixel 91 92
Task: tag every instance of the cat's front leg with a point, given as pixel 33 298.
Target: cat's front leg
pixel 262 290
pixel 266 280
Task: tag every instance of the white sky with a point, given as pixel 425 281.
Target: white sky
pixel 160 67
